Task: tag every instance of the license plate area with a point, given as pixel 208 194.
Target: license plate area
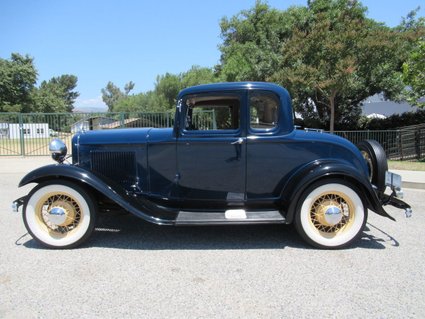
pixel 393 181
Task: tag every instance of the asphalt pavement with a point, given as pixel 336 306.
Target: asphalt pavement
pixel 134 269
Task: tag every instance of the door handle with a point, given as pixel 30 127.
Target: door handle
pixel 238 141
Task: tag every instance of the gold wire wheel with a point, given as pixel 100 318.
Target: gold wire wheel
pixel 332 213
pixel 59 213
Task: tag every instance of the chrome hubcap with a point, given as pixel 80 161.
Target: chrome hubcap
pixel 333 215
pixel 61 212
pixel 57 215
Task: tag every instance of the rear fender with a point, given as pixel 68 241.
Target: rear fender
pixel 317 170
pixel 141 207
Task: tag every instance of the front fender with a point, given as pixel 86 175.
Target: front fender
pixel 138 206
pixel 317 170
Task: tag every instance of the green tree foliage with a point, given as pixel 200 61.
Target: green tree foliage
pixel 414 75
pixel 167 87
pixel 328 54
pixel 198 75
pixel 18 92
pixel 56 95
pixel 142 102
pixel 251 43
pixel 162 97
pixel 111 94
pixel 17 79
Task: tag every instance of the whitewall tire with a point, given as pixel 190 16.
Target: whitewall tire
pixel 330 214
pixel 59 214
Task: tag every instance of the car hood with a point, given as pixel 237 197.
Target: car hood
pixel 115 136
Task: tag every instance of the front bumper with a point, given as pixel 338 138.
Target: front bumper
pixel 18 203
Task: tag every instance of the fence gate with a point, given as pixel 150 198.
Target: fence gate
pixel 29 134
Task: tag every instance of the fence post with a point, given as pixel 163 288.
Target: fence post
pixel 21 134
pixel 168 118
pixel 214 120
pixel 122 119
pixel 418 143
pixel 400 144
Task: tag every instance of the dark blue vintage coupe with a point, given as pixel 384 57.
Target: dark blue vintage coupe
pixel 232 157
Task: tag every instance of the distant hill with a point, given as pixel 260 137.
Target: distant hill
pixel 90 109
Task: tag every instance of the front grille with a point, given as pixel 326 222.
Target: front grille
pixel 118 166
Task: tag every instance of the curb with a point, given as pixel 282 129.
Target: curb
pixel 413 185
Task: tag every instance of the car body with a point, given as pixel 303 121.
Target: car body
pixel 232 157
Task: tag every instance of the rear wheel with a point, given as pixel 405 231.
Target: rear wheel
pixel 59 214
pixel 330 214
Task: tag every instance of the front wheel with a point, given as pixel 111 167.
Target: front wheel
pixel 59 214
pixel 330 214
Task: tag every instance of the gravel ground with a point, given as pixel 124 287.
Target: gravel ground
pixel 134 269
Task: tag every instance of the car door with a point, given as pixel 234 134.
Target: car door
pixel 266 149
pixel 211 150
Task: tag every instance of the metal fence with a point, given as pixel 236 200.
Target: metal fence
pixel 406 143
pixel 30 134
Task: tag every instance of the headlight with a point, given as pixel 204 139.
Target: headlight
pixel 58 150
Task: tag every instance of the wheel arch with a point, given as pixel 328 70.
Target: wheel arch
pixel 100 185
pixel 317 171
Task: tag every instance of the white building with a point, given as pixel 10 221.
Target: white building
pixel 29 130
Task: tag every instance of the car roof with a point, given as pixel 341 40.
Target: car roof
pixel 234 86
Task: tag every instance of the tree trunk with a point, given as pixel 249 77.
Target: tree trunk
pixel 332 107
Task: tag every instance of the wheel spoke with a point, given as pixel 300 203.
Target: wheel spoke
pixel 320 207
pixel 69 205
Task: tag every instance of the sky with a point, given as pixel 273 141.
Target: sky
pixel 132 40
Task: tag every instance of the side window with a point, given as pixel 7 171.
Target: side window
pixel 264 110
pixel 212 113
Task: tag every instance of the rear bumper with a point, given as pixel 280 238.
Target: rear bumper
pixel 394 181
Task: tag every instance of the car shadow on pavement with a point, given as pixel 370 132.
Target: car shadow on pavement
pixel 130 232
pixel 378 240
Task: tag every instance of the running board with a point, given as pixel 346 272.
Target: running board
pixel 231 216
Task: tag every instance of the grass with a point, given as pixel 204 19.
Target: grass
pixel 409 166
pixel 33 146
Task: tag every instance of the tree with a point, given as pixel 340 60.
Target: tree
pixel 414 75
pixel 338 59
pixel 168 86
pixel 251 43
pixel 198 75
pixel 18 92
pixel 111 94
pixel 17 79
pixel 322 56
pixel 56 95
pixel 329 55
pixel 164 95
pixel 142 102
